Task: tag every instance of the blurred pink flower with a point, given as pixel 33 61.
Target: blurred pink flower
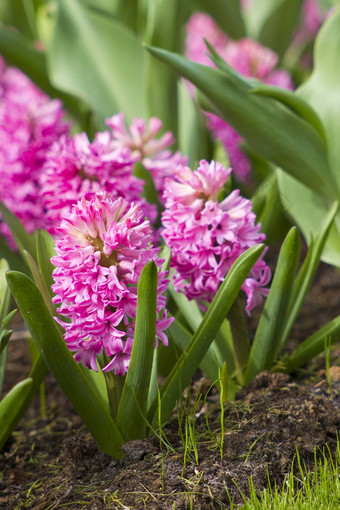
pixel 78 168
pixel 207 236
pixel 246 56
pixel 29 124
pixel 152 152
pixel 103 247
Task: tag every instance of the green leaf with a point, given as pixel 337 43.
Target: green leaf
pixel 20 400
pixel 133 404
pixel 194 139
pixel 296 104
pixel 8 408
pixel 270 128
pixel 113 66
pixel 18 52
pixel 321 91
pixel 182 337
pixel 20 14
pixel 227 15
pixel 24 240
pixel 307 272
pixel 182 372
pixel 45 251
pixel 149 191
pixel 4 291
pixel 272 22
pixel 272 321
pixel 311 347
pixel 268 207
pixel 189 309
pixel 60 362
pixel 162 23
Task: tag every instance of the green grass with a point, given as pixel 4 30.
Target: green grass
pixel 319 490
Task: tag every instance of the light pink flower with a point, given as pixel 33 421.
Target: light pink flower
pixel 152 152
pixel 103 247
pixel 246 56
pixel 207 236
pixel 29 124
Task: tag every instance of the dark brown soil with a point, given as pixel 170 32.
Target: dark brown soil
pixel 52 462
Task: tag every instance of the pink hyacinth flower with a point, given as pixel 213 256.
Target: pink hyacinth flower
pixel 147 146
pixel 103 247
pixel 246 56
pixel 77 168
pixel 207 236
pixel 29 124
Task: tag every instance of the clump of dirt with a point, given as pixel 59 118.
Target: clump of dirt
pixel 53 462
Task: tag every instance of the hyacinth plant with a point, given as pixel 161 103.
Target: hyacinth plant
pixel 178 260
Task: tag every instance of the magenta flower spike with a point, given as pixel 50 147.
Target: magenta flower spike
pixel 101 251
pixel 29 124
pixel 246 56
pixel 207 236
pixel 147 146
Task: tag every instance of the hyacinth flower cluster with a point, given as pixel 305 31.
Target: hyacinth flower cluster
pixel 101 251
pixel 207 236
pixel 77 167
pixel 152 152
pixel 247 57
pixel 29 124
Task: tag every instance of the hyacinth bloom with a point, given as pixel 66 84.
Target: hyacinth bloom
pixel 246 56
pixel 29 124
pixel 207 236
pixel 78 168
pixel 103 247
pixel 152 152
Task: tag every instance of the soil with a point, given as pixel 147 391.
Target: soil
pixel 52 462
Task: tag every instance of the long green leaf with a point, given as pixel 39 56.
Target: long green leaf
pixel 270 128
pixel 321 91
pixel 296 104
pixel 307 272
pixel 24 240
pixel 268 334
pixel 311 347
pixel 59 360
pixel 45 251
pixel 18 52
pixel 133 403
pixel 227 14
pixel 272 22
pixel 182 337
pixel 18 406
pixel 8 408
pixel 4 305
pixel 182 372
pixel 88 44
pixel 163 20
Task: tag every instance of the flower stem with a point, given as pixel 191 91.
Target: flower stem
pixel 114 385
pixel 240 338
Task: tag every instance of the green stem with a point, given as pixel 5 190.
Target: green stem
pixel 115 385
pixel 240 337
